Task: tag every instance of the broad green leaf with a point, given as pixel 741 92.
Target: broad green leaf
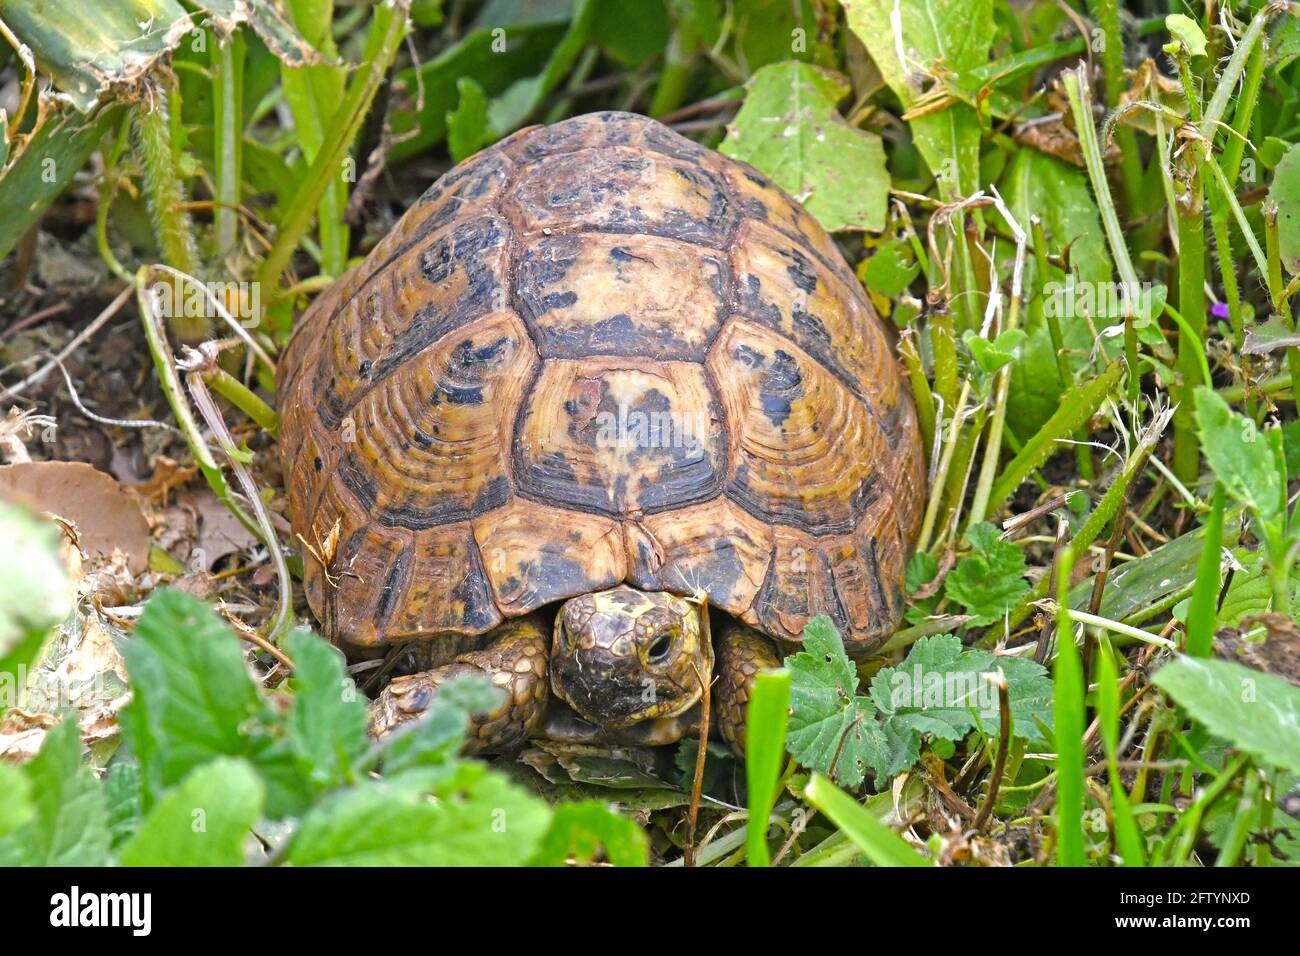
pixel 1187 31
pixel 587 832
pixel 950 36
pixel 69 826
pixel 881 845
pixel 122 793
pixel 790 129
pixel 468 130
pixel 990 580
pixel 438 735
pixel 829 722
pixel 1254 711
pixel 472 816
pixel 1285 193
pixel 193 700
pixel 327 721
pixel 201 822
pixel 35 592
pixel 1240 457
pixel 765 725
pixel 945 690
pixel 87 48
pixel 16 808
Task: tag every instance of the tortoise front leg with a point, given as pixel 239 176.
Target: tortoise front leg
pixel 514 659
pixel 742 653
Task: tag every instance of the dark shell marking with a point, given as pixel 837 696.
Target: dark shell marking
pixel 599 353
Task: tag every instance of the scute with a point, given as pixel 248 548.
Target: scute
pixel 600 294
pixel 599 353
pixel 619 437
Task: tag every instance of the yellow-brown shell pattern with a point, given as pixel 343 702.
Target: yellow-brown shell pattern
pixel 598 353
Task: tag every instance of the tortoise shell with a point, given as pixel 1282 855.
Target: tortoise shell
pixel 599 353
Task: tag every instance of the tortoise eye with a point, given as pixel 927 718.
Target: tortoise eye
pixel 660 648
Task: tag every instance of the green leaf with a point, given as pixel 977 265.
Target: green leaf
pixel 765 725
pixel 991 356
pixel 468 130
pixel 468 816
pixel 438 735
pixel 881 845
pixel 990 580
pixel 588 832
pixel 790 129
pixel 70 823
pixel 921 570
pixel 944 689
pixel 35 591
pixel 1187 31
pixel 122 793
pixel 1255 712
pixel 203 821
pixel 1285 193
pixel 1240 458
pixel 327 722
pixel 827 716
pixel 16 808
pixel 193 700
pixel 954 34
pixel 1075 407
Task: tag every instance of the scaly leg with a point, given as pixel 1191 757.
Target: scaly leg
pixel 742 653
pixel 514 659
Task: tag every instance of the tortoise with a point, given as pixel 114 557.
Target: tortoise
pixel 597 379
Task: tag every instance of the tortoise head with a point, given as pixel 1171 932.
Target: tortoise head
pixel 623 656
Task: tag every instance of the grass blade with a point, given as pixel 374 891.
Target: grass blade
pixel 1128 837
pixel 882 845
pixel 769 710
pixel 1076 407
pixel 1068 718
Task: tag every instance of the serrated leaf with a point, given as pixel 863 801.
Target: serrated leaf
pixel 438 735
pixel 989 581
pixel 587 832
pixel 193 700
pixel 471 816
pixel 201 822
pixel 790 129
pixel 1239 455
pixel 327 721
pixel 122 794
pixel 1255 712
pixel 944 689
pixel 829 722
pixel 69 826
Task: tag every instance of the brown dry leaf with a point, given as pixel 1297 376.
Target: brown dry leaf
pixel 168 475
pixel 104 515
pixel 220 533
pixel 21 734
